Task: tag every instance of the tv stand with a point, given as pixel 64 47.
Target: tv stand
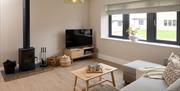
pixel 80 52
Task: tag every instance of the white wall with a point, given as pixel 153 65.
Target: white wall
pixel 49 19
pixel 119 49
pixel 11 27
pixel 0 33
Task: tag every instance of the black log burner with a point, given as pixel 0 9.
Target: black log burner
pixel 27 53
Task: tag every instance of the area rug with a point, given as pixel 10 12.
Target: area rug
pixel 104 87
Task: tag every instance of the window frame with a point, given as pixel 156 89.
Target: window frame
pixel 178 27
pixel 138 22
pixel 165 23
pixel 125 26
pixel 167 41
pixel 151 29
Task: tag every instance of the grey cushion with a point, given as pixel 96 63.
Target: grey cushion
pixel 142 64
pixel 146 84
pixel 175 86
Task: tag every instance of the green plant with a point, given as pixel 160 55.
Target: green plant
pixel 132 30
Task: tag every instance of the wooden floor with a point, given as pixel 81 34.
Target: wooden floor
pixel 58 79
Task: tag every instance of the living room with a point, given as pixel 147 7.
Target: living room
pixel 49 20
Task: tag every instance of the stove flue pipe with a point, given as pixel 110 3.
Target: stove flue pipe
pixel 26 23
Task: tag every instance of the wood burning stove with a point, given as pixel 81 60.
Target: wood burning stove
pixel 26 59
pixel 27 53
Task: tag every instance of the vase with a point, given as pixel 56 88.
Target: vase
pixel 133 38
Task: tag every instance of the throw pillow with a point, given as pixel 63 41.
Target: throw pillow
pixel 173 56
pixel 175 86
pixel 171 73
pixel 175 59
pixel 176 63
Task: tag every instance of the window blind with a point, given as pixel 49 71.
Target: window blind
pixel 144 6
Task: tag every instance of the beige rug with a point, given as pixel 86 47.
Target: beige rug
pixel 104 87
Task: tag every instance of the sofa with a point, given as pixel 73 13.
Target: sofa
pixel 150 84
pixel 146 84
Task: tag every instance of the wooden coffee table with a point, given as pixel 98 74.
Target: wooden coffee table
pixel 82 74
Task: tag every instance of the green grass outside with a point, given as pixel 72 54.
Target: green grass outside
pixel 161 34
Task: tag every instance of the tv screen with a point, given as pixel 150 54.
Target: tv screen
pixel 78 37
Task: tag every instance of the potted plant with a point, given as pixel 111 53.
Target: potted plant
pixel 132 33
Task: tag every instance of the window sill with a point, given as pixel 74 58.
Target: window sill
pixel 142 42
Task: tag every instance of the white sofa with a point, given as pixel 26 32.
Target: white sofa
pixel 146 84
pixel 149 84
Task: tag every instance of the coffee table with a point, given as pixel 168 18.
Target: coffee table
pixel 82 74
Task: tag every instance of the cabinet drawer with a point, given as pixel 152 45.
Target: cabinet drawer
pixel 77 53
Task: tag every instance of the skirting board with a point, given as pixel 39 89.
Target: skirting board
pixel 112 59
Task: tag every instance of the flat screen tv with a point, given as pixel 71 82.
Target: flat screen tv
pixel 78 37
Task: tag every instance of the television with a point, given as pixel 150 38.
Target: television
pixel 79 37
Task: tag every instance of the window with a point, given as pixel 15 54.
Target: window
pixel 139 20
pixel 174 22
pixel 117 25
pixel 166 33
pixel 153 27
pixel 169 22
pixel 165 22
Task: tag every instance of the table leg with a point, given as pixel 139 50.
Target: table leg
pixel 113 81
pixel 100 78
pixel 75 83
pixel 87 85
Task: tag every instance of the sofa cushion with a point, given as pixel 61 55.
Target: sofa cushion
pixel 171 73
pixel 175 59
pixel 146 84
pixel 175 86
pixel 173 56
